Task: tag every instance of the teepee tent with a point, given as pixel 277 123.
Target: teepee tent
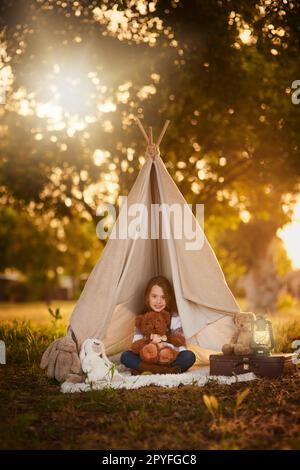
pixel 113 293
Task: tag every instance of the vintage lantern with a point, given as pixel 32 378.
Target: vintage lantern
pixel 262 339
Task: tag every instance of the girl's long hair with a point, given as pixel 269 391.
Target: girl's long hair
pixel 168 290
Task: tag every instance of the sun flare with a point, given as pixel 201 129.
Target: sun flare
pixel 290 234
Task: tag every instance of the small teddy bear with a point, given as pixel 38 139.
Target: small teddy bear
pixel 158 345
pixel 241 341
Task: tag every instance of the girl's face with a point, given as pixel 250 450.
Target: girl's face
pixel 157 300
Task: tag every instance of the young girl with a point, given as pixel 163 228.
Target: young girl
pixel 159 296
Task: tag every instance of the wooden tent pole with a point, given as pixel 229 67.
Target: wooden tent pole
pixel 142 130
pixel 162 133
pixel 150 136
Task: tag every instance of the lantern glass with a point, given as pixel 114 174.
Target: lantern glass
pixel 262 336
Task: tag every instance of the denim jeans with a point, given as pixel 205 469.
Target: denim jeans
pixel 184 360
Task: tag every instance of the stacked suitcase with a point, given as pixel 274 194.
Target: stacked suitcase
pixel 262 366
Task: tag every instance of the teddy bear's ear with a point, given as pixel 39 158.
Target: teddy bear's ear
pixel 167 317
pixel 251 316
pixel 237 318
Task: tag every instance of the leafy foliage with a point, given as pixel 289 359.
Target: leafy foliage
pixel 221 71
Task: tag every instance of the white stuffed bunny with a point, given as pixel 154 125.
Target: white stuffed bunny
pixel 96 364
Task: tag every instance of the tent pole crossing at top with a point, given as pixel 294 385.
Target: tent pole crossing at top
pixel 149 139
pixel 150 136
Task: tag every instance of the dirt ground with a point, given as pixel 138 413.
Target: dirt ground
pixel 35 415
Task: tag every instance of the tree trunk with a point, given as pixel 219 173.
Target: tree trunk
pixel 262 283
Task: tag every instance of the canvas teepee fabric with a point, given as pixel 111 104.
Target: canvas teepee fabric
pixel 113 293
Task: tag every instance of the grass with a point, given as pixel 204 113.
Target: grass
pixel 35 312
pixel 264 414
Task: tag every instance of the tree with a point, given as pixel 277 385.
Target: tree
pixel 42 248
pixel 220 70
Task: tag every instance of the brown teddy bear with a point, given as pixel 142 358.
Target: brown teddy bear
pixel 241 341
pixel 155 326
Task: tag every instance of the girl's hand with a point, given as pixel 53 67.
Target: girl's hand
pixel 163 345
pixel 156 338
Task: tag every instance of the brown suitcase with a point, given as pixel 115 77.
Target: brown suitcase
pixel 262 366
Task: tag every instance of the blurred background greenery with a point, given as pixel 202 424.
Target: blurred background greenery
pixel 74 74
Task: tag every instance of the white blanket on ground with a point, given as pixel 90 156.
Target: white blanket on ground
pixel 198 377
